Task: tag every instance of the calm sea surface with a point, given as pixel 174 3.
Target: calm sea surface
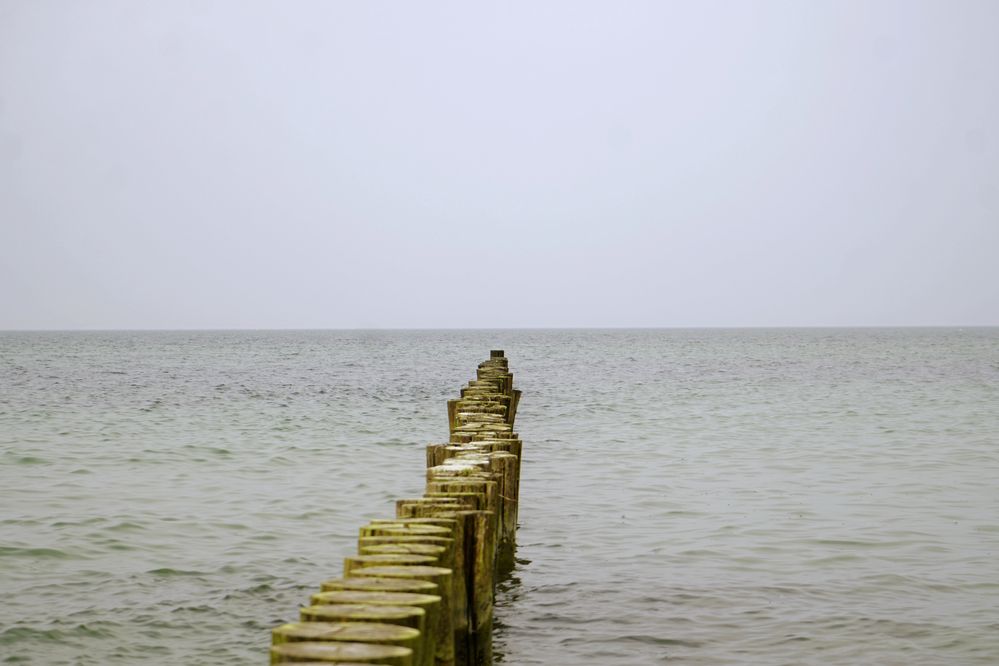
pixel 689 496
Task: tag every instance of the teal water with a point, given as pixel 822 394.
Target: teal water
pixel 697 496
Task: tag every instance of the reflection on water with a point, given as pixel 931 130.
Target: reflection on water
pixel 508 593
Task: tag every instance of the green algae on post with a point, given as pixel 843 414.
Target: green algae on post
pixel 362 653
pixel 354 632
pixel 378 585
pixel 430 603
pixel 360 561
pixel 440 576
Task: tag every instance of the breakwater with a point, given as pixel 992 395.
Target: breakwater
pixel 420 589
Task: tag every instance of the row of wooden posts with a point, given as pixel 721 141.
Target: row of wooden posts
pixel 420 590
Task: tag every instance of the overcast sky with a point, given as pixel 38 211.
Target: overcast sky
pixel 238 164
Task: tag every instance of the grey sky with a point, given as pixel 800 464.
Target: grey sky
pixel 460 164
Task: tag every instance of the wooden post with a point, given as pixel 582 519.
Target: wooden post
pixel 442 577
pixel 425 549
pixel 363 584
pixel 454 559
pixel 425 648
pixel 342 653
pixel 480 540
pixel 406 616
pixel 452 410
pixel 354 632
pixel 397 529
pixel 354 562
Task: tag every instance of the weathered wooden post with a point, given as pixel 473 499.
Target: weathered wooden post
pixel 341 653
pixel 353 632
pixel 444 637
pixel 406 616
pixel 378 585
pixel 360 561
pixel 425 646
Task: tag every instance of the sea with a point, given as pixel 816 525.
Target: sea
pixel 715 496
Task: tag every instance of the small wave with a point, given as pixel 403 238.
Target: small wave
pixel 203 608
pixel 71 523
pixel 833 559
pixel 657 640
pixel 30 460
pixel 167 571
pixel 855 543
pixel 17 634
pixel 50 553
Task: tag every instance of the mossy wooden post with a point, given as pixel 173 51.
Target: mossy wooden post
pixel 350 564
pixel 435 454
pixel 458 600
pixel 480 540
pixel 341 653
pixel 472 497
pixel 485 487
pixel 362 584
pixel 431 603
pixel 508 491
pixel 406 616
pixel 446 526
pixel 488 503
pixel 421 500
pixel 511 414
pixel 468 463
pixel 438 575
pixel 354 632
pixel 470 431
pixel 452 412
pixel 454 559
pixel 396 529
pixel 468 476
pixel 470 501
pixel 413 617
pixel 425 648
pixel 507 468
pixel 444 542
pixel 438 553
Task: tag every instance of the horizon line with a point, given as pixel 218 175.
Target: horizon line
pixel 501 328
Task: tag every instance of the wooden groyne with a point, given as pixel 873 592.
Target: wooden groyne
pixel 419 591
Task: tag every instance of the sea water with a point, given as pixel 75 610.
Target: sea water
pixel 786 496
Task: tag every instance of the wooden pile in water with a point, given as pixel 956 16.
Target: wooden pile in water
pixel 419 591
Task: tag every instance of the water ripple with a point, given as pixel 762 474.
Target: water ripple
pixel 706 497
